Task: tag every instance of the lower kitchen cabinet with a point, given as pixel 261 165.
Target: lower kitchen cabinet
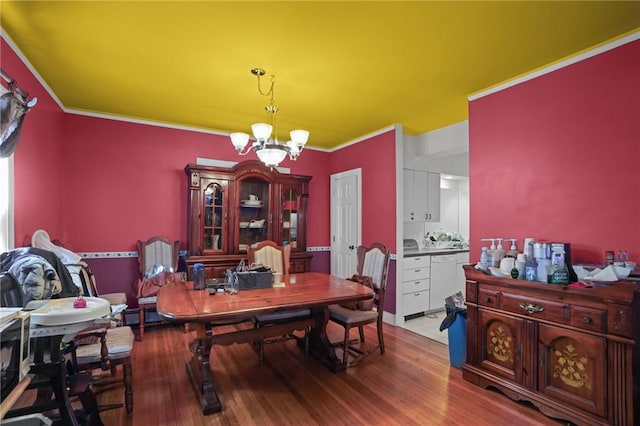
pixel 416 284
pixel 572 352
pixel 427 280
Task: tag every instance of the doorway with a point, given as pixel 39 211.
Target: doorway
pixel 346 221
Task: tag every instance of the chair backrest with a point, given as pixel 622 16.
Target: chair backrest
pixel 373 261
pixel 10 291
pixel 84 279
pixel 270 254
pixel 158 251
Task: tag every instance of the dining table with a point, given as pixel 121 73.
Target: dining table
pixel 205 311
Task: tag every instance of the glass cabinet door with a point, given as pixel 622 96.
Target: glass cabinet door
pixel 290 217
pixel 213 229
pixel 253 218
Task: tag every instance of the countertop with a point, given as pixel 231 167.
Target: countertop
pixel 433 251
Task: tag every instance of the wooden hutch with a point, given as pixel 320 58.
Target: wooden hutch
pixel 572 352
pixel 228 209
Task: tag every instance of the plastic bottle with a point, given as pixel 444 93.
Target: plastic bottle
pixel 513 250
pixel 531 271
pixel 490 251
pixel 484 258
pixel 499 252
pixel 528 248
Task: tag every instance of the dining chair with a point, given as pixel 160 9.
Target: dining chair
pixel 268 253
pixel 155 254
pixel 107 345
pixel 373 261
pixel 106 348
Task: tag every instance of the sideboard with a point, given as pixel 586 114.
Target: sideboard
pixel 571 352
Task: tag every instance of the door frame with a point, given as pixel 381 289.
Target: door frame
pixel 358 225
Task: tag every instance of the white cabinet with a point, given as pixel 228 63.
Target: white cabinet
pixel 415 284
pixel 428 280
pixel 443 279
pixel 461 259
pixel 421 193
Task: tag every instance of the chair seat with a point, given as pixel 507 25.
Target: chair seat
pixel 351 316
pixel 147 300
pixel 280 316
pixel 119 343
pixel 115 298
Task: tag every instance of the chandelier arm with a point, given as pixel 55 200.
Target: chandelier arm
pixel 247 150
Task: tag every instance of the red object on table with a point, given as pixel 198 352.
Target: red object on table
pixel 80 303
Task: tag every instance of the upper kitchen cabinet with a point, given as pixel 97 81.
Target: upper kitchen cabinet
pixel 421 194
pixel 229 209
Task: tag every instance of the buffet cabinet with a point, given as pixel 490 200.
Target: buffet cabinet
pixel 572 352
pixel 229 209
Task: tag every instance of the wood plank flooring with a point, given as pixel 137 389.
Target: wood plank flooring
pixel 411 384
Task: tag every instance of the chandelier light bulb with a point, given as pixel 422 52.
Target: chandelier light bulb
pixel 239 140
pixel 300 137
pixel 261 131
pixel 272 154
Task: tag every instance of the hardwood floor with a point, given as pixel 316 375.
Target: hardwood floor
pixel 411 384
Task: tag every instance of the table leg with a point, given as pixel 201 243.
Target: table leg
pixel 319 345
pixel 199 369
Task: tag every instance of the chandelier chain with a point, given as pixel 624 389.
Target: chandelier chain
pixel 271 108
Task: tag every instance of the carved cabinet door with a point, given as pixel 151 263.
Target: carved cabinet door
pixel 572 368
pixel 501 348
pixel 213 218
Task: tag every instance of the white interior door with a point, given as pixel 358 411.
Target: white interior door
pixel 346 221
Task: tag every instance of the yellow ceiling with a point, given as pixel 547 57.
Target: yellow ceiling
pixel 343 69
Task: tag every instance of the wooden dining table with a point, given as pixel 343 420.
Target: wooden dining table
pixel 179 302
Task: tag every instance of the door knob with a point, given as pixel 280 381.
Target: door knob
pixel 351 247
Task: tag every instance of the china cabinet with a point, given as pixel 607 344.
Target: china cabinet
pixel 572 352
pixel 229 209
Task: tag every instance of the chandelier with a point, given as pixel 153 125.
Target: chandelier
pixel 269 151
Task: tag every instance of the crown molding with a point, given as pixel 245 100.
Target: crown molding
pixel 558 65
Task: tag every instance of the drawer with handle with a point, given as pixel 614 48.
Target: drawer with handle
pixel 415 285
pixel 488 297
pixel 536 308
pixel 414 303
pixel 416 274
pixel 416 262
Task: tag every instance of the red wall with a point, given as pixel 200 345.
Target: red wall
pixel 128 181
pixel 38 156
pixel 377 159
pixel 557 158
